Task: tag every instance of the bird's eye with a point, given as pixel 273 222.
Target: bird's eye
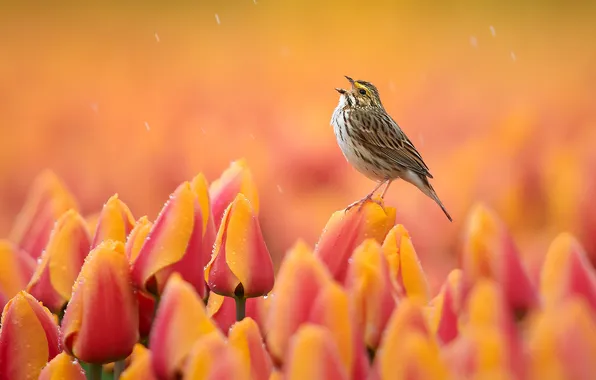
pixel 362 91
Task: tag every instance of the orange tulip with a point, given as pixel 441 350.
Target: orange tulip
pixel 16 267
pixel 346 230
pixel 180 241
pixel 371 290
pixel 490 252
pixel 29 338
pixel 301 278
pixel 314 355
pixel 63 367
pixel 101 322
pixel 408 350
pixel 236 179
pixel 181 319
pixel 223 311
pixel 406 271
pixel 115 222
pixel 240 265
pixel 140 365
pixel 567 271
pixel 246 338
pixel 61 261
pixel 46 201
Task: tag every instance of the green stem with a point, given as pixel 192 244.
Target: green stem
pixel 94 371
pixel 119 368
pixel 240 308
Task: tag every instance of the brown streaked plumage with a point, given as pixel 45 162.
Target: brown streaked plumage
pixel 374 143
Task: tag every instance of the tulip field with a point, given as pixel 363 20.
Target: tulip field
pixel 194 295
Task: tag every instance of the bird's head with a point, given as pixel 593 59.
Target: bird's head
pixel 362 94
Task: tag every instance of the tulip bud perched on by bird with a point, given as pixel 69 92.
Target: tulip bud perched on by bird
pixel 375 145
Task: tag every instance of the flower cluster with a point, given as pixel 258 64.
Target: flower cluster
pixel 193 295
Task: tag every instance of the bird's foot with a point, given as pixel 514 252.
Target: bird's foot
pixel 360 203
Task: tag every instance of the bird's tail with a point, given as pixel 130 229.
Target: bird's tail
pixel 429 191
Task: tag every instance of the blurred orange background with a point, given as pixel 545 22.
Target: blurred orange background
pixel 499 98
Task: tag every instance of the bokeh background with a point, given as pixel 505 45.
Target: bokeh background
pixel 134 98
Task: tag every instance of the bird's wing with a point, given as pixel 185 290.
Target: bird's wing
pixel 380 133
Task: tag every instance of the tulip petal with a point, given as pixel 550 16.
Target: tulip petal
pixel 137 237
pixel 115 222
pixel 236 179
pixel 181 319
pixel 61 261
pixel 567 271
pixel 140 366
pixel 212 359
pixel 240 265
pixel 371 290
pixel 46 201
pixel 301 277
pixel 93 332
pixel 223 310
pixel 63 367
pixel 28 338
pixel 345 230
pixel 174 244
pixel 246 338
pixel 15 269
pixel 313 355
pixel 444 320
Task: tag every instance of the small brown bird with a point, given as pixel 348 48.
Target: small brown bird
pixel 375 145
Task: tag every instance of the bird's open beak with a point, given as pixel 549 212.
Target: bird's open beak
pixel 350 80
pixel 340 90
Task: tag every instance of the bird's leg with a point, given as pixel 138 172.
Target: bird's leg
pixel 362 201
pixel 386 188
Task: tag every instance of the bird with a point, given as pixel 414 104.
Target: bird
pixel 374 144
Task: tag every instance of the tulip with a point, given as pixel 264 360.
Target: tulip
pixel 346 230
pixel 240 266
pixel 115 222
pixel 179 241
pixel 444 309
pixel 223 311
pixel 236 179
pixel 567 271
pixel 490 252
pixel 140 365
pixel 63 367
pixel 301 278
pixel 101 322
pixel 212 359
pixel 246 338
pixel 181 319
pixel 16 267
pixel 332 309
pixel 408 350
pixel 146 301
pixel 61 261
pixel 28 338
pixel 314 355
pixel 46 201
pixel 562 342
pixel 405 268
pixel 371 290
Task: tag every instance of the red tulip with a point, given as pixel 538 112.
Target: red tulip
pixel 61 261
pixel 101 322
pixel 28 338
pixel 240 265
pixel 16 267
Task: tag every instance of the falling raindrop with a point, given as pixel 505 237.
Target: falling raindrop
pixel 156 37
pixel 251 136
pixel 492 31
pixel 217 19
pixel 474 41
pixel 513 56
pixel 94 107
pixel 281 191
pixel 147 126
